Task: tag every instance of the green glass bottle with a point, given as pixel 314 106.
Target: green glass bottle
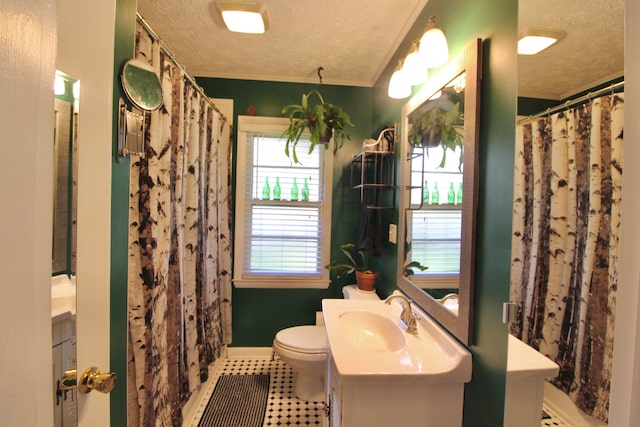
pixel 459 195
pixel 294 190
pixel 435 195
pixel 451 195
pixel 305 191
pixel 425 193
pixel 276 189
pixel 266 190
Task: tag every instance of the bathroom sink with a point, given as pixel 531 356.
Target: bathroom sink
pixel 63 297
pixel 366 341
pixel 371 331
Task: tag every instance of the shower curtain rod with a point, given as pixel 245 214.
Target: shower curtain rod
pixel 147 27
pixel 570 103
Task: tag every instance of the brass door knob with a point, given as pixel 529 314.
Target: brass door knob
pixel 92 379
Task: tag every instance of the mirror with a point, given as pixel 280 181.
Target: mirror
pixel 141 85
pixel 439 146
pixel 63 262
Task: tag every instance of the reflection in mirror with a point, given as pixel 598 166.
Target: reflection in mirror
pixel 434 215
pixel 439 197
pixel 63 263
pixel 64 173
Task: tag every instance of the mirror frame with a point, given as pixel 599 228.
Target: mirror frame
pixel 470 62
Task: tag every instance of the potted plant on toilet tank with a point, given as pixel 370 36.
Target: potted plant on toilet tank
pixel 358 262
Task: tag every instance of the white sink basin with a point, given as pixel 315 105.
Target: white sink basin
pixel 366 340
pixel 371 331
pixel 63 296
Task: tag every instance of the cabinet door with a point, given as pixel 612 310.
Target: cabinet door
pixel 334 395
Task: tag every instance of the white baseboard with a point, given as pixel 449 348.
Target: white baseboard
pixel 257 352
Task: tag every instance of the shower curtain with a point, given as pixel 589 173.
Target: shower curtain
pixel 566 222
pixel 179 246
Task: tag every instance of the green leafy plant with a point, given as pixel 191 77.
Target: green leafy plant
pixel 357 260
pixel 408 267
pixel 321 118
pixel 439 126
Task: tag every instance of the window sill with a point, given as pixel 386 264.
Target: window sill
pixel 282 283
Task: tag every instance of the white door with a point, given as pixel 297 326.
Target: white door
pixel 85 51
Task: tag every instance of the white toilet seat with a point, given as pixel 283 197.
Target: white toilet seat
pixel 310 340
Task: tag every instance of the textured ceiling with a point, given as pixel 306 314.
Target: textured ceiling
pixel 353 40
pixel 591 53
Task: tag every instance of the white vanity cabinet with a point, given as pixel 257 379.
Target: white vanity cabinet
pixel 379 375
pixel 381 401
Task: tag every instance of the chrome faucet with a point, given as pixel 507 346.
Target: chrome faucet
pixel 407 318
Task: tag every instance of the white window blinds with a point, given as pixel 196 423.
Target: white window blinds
pixel 282 215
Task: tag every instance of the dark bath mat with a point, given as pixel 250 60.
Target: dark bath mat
pixel 237 401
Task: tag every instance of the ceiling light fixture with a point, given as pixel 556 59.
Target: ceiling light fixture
pixel 536 40
pixel 242 16
pixel 433 45
pixel 399 87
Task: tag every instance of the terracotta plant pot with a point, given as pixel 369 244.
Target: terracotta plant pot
pixel 366 281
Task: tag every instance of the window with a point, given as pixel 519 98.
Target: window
pixel 283 210
pixel 435 224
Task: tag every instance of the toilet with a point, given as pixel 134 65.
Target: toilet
pixel 304 349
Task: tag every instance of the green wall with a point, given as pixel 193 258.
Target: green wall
pixel 123 50
pixel 259 313
pixel 495 21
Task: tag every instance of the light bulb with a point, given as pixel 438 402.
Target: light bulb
pixel 415 66
pixel 399 87
pixel 433 45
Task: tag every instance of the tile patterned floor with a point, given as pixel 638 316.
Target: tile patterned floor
pixel 549 418
pixel 283 408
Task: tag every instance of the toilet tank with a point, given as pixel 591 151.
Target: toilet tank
pixel 352 292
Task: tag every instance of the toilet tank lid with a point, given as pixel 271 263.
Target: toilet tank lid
pixel 306 338
pixel 352 292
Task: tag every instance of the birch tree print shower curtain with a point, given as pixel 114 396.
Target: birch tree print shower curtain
pixel 566 220
pixel 179 247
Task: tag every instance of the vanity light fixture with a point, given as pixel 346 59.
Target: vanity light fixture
pixel 433 45
pixel 399 86
pixel 415 66
pixel 244 16
pixel 536 40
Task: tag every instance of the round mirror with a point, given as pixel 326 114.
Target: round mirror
pixel 142 85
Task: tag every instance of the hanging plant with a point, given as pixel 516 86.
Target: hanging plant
pixel 439 126
pixel 322 119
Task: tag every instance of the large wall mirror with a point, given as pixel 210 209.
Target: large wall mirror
pixel 438 179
